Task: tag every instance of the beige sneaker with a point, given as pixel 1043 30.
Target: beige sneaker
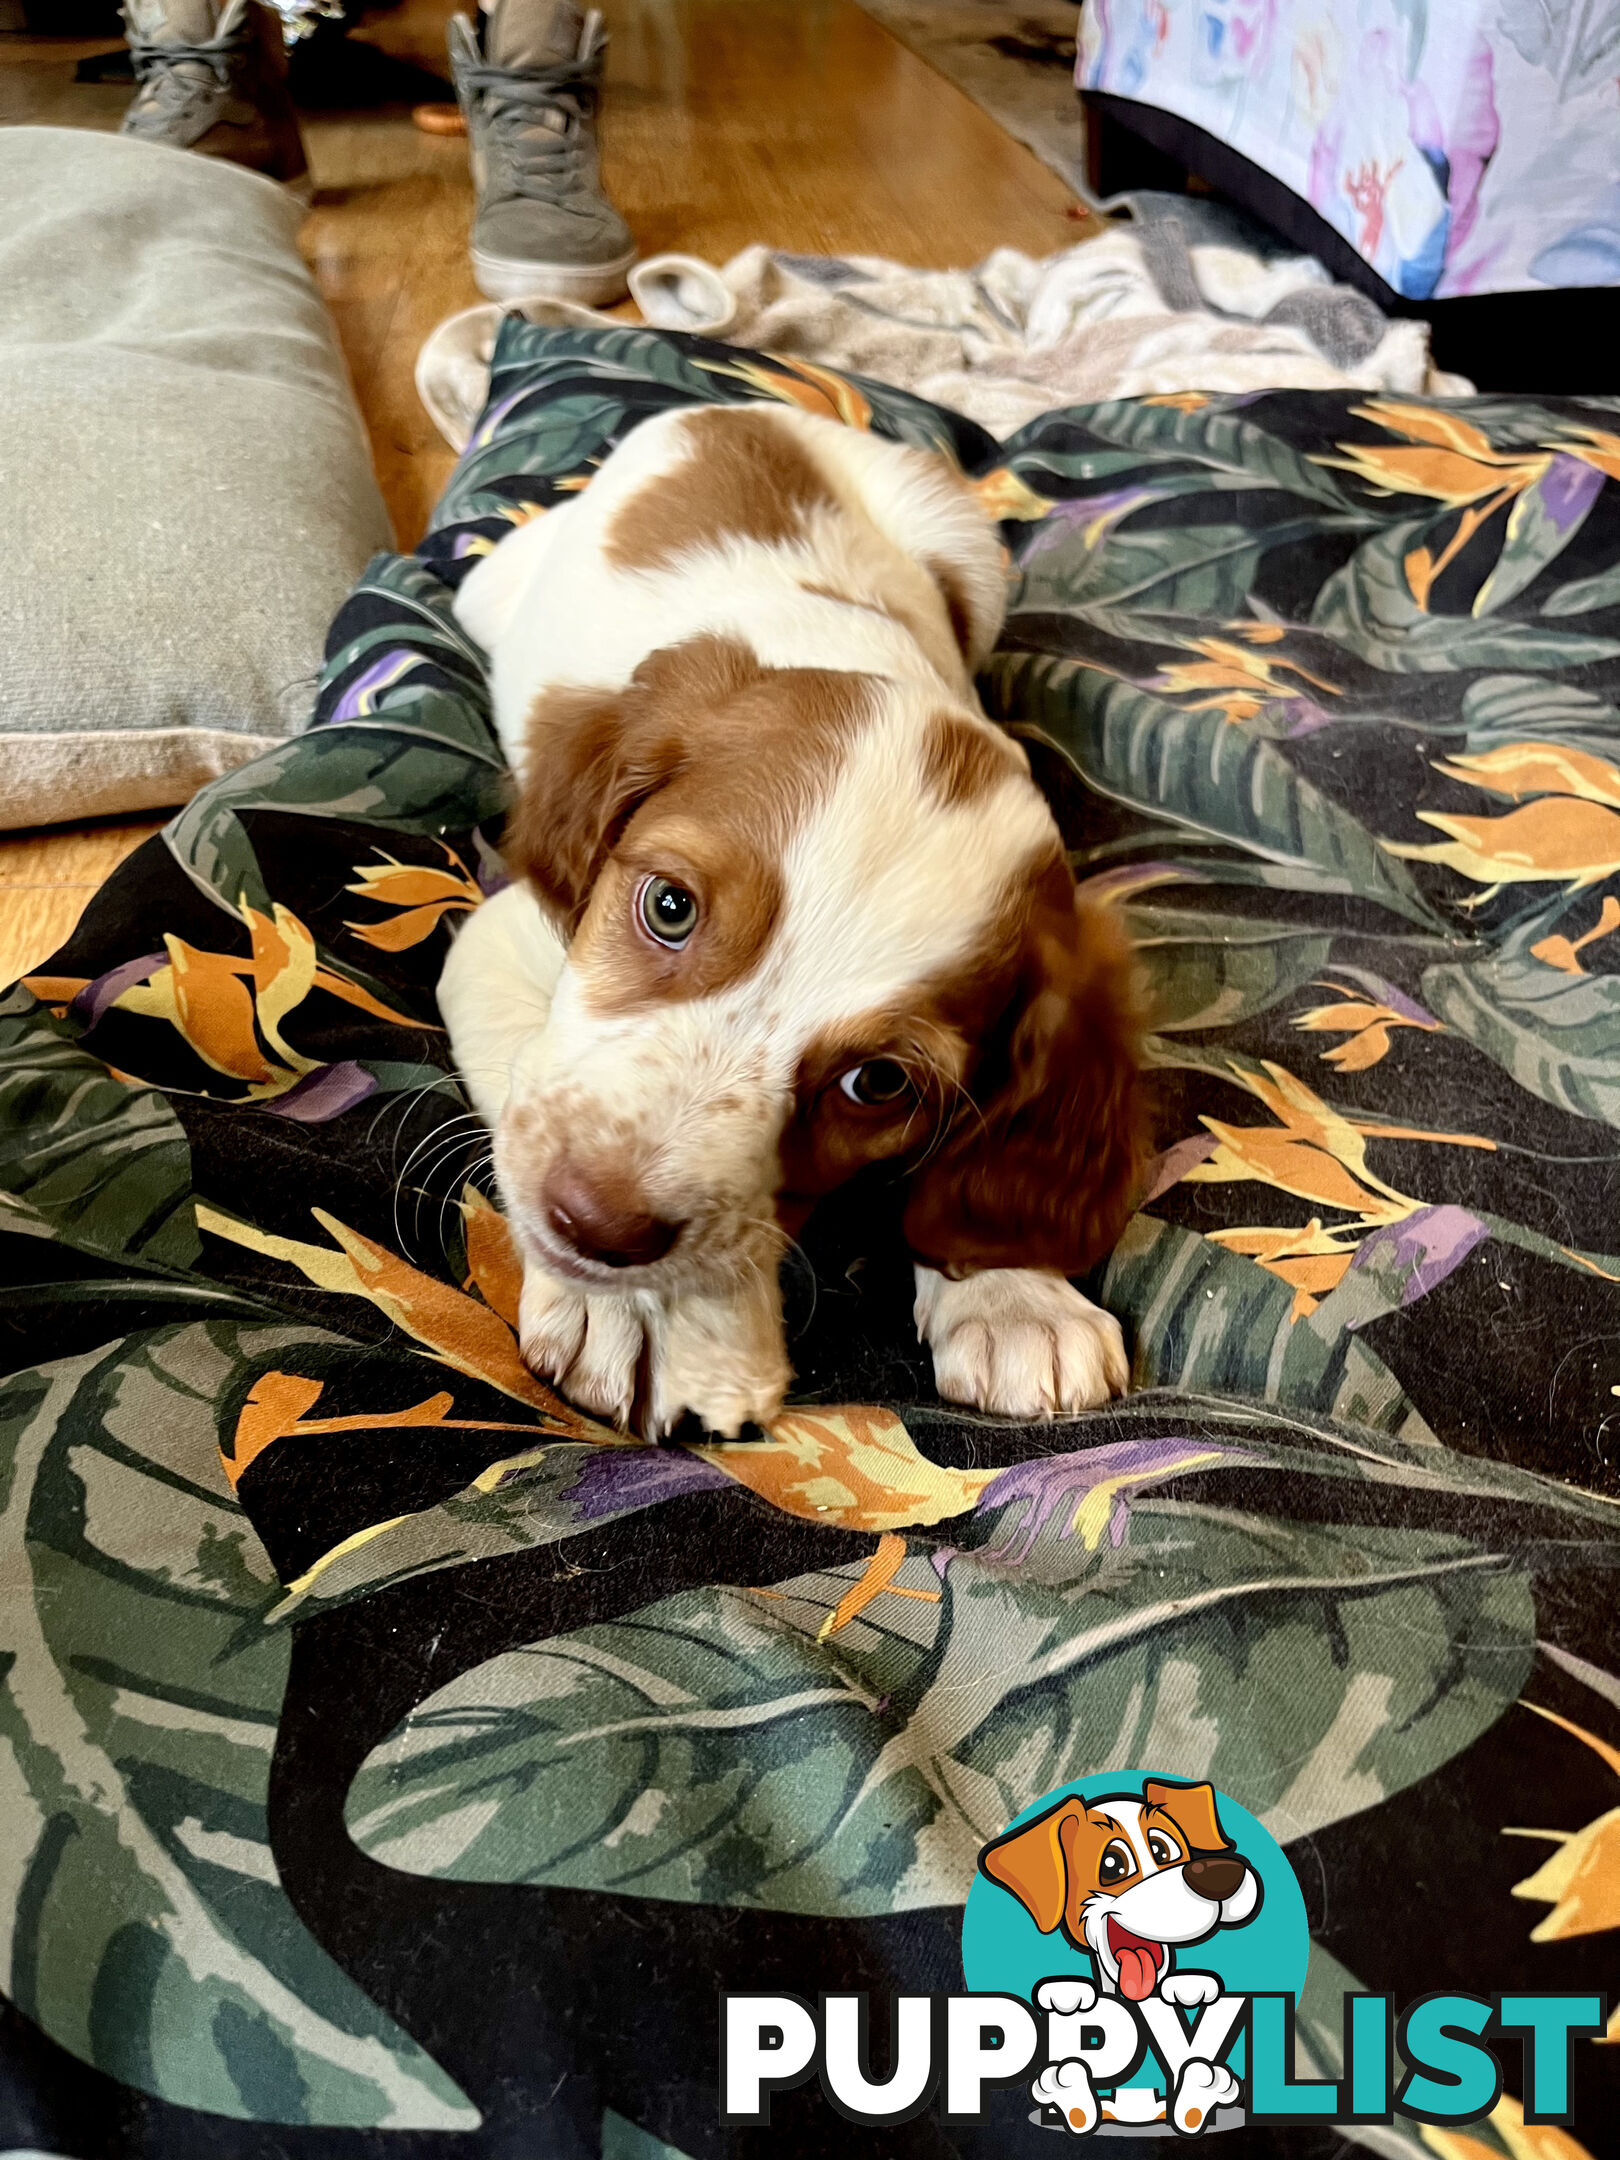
pixel 529 77
pixel 213 79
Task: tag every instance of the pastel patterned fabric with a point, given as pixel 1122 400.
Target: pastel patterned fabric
pixel 1467 148
pixel 396 1761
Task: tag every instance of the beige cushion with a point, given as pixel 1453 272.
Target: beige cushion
pixel 188 493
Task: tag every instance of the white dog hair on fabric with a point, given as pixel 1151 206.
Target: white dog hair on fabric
pixel 786 906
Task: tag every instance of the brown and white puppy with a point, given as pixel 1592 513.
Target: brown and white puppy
pixel 785 905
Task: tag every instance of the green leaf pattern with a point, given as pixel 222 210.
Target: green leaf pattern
pixel 147 1931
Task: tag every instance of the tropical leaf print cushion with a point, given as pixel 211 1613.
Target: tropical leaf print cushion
pixel 394 1755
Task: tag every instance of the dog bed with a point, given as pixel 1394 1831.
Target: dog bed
pixel 395 1760
pixel 189 487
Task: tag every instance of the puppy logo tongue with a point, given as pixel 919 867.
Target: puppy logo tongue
pixel 1139 1962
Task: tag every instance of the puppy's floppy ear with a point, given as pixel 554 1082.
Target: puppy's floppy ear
pixel 594 756
pixel 1033 1863
pixel 1192 1809
pixel 1040 1168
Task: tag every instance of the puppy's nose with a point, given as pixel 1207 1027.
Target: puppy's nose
pixel 602 1222
pixel 1216 1879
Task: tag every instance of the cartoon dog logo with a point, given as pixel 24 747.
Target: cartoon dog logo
pixel 1132 1879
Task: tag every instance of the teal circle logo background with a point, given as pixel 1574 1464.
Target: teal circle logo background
pixel 1005 1953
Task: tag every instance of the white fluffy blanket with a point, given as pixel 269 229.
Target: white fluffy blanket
pixel 1135 312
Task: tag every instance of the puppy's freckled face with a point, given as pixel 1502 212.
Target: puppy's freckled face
pixel 853 926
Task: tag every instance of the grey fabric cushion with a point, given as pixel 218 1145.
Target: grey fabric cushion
pixel 186 480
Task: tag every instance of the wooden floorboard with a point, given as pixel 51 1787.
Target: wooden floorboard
pixel 801 123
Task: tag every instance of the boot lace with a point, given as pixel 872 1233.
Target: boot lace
pixel 171 77
pixel 542 161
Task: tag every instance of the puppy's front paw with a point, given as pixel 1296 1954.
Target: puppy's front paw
pixel 719 1361
pixel 588 1345
pixel 714 1363
pixel 1020 1342
pixel 1201 2088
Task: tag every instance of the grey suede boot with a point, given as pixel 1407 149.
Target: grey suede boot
pixel 528 78
pixel 213 79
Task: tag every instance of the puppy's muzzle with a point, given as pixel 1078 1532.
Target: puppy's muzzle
pixel 603 1220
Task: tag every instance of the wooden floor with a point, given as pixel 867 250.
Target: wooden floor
pixel 797 122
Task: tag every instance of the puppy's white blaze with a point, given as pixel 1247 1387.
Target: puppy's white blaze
pixel 688 1088
pixel 659 1068
pixel 1129 1815
pixel 868 920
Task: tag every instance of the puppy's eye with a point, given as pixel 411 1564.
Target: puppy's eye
pixel 669 910
pixel 1164 1853
pixel 1116 1863
pixel 876 1084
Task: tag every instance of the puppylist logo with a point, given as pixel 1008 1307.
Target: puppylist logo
pixel 1173 1928
pixel 1135 1947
